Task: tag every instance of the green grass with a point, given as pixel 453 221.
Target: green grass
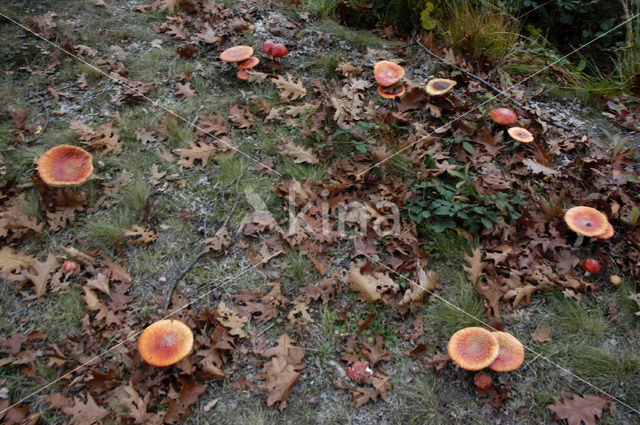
pixel 360 39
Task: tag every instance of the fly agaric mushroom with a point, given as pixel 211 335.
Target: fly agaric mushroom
pixel 360 373
pixel 482 380
pixel 267 46
pixel 504 117
pixel 473 348
pixel 591 266
pixel 278 50
pixel 608 234
pixel 249 63
pixel 65 165
pixel 520 134
pixel 236 54
pixel 438 87
pixel 165 342
pixel 242 75
pixel 70 267
pixel 389 76
pixel 391 92
pixel 585 221
pixel 510 355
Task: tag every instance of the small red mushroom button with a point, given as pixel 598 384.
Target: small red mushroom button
pixel 482 380
pixel 70 267
pixel 591 266
pixel 278 50
pixel 360 373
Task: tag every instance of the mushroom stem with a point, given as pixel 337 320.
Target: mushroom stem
pixel 578 241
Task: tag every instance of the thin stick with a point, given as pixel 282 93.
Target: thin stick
pixel 486 83
pixel 183 272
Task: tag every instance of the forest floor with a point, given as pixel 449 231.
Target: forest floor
pixel 303 186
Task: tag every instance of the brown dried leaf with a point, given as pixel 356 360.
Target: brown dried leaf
pixel 577 409
pixel 185 90
pixel 542 333
pixel 240 116
pixel 197 151
pixel 229 318
pixel 42 273
pixel 370 287
pixel 475 265
pixel 299 153
pixel 85 413
pixel 219 242
pixel 134 404
pixel 138 234
pixel 289 89
pixel 13 262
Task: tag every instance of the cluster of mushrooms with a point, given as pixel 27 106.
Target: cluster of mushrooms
pixel 243 57
pixel 389 77
pixel 476 348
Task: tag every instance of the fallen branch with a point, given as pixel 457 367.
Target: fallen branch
pixel 487 84
pixel 183 272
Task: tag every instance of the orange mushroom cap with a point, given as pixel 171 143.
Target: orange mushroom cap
pixel 65 165
pixel 608 233
pixel 165 342
pixel 586 221
pixel 473 348
pixel 504 116
pixel 439 86
pixel 387 73
pixel 242 75
pixel 399 92
pixel 510 354
pixel 249 63
pixel 520 134
pixel 236 54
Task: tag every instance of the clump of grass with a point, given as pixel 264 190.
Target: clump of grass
pixel 299 267
pixel 483 32
pixel 302 172
pixel 581 322
pixel 320 8
pixel 135 193
pixel 327 65
pixel 357 38
pixel 64 316
pixel 418 402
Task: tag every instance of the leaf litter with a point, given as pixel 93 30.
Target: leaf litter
pixel 518 258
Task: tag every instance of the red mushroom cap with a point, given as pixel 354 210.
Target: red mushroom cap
pixel 249 63
pixel 439 86
pixel 267 46
pixel 165 342
pixel 504 116
pixel 520 134
pixel 242 75
pixel 399 91
pixel 608 233
pixel 236 54
pixel 65 165
pixel 482 380
pixel 510 355
pixel 70 267
pixel 586 221
pixel 360 373
pixel 278 50
pixel 591 265
pixel 473 348
pixel 387 73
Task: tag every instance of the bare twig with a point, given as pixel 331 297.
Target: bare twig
pixel 487 84
pixel 202 251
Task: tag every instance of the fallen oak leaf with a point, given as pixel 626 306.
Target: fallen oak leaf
pixel 475 265
pixel 41 273
pixel 85 413
pixel 370 287
pixel 138 234
pixel 135 405
pixel 185 90
pixel 289 89
pixel 299 153
pixel 577 409
pixel 13 262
